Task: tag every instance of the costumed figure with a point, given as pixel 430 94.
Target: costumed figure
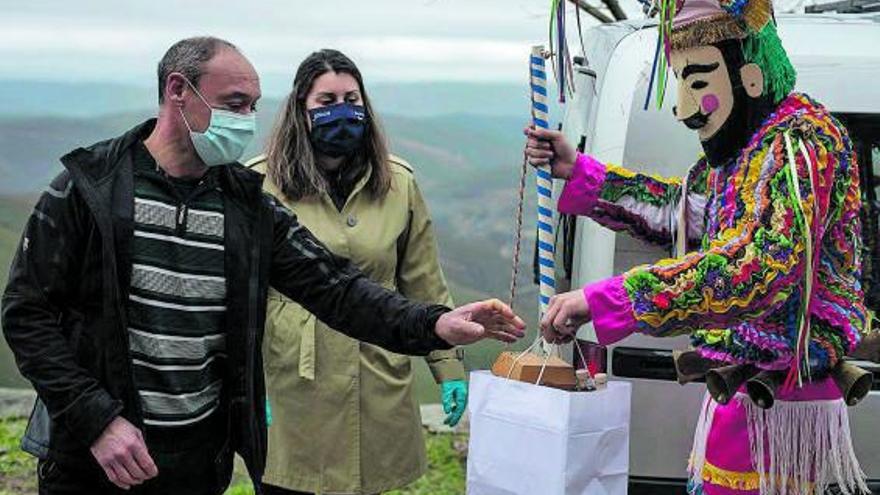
pixel 766 275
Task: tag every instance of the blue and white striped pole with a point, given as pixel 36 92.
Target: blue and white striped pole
pixel 540 118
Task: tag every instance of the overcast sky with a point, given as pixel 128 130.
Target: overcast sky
pixel 391 40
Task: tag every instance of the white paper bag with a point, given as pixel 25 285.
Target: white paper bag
pixel 532 440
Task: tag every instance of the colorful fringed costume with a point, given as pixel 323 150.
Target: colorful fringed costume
pixel 738 293
pixel 768 240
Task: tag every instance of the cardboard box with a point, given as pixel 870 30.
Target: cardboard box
pixel 527 368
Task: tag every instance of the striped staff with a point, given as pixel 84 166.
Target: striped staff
pixel 540 118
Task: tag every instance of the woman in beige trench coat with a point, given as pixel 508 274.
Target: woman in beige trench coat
pixel 344 416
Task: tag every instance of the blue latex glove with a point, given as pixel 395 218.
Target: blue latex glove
pixel 454 395
pixel 268 413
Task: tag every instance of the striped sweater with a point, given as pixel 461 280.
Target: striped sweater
pixel 177 298
pixel 740 289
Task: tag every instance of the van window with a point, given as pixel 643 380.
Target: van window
pixel 864 130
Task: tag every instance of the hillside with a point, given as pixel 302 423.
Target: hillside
pixel 442 147
pixel 464 163
pixel 13 214
pixel 467 166
pixel 418 99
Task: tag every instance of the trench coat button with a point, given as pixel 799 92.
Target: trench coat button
pixel 352 221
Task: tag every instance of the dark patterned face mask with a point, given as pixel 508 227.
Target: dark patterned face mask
pixel 338 130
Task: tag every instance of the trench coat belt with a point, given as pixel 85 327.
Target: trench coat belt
pixel 307 350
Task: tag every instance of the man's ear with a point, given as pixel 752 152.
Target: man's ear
pixel 175 87
pixel 753 79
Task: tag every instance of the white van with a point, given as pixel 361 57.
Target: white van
pixel 838 61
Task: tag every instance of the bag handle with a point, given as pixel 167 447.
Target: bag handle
pixel 548 353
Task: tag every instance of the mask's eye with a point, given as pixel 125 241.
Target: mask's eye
pixel 699 84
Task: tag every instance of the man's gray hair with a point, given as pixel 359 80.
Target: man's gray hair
pixel 187 57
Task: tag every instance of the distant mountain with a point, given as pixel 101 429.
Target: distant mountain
pixel 441 146
pixel 30 147
pixel 64 99
pixel 90 99
pixel 446 125
pixel 467 165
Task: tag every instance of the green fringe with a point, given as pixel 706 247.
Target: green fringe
pixel 764 48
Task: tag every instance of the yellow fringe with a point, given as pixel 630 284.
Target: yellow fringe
pixel 757 14
pixel 734 480
pixel 629 174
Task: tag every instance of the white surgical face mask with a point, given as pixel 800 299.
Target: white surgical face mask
pixel 226 137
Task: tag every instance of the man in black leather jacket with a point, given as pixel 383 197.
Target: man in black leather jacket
pixel 67 307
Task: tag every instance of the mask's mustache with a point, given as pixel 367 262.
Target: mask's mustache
pixel 696 121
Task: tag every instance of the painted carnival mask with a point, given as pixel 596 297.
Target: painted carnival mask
pixel 706 93
pixel 730 67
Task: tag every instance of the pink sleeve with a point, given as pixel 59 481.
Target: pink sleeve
pixel 611 310
pixel 582 189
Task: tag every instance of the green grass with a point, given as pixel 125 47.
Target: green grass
pixel 17 469
pixel 445 476
pixel 241 488
pixel 446 463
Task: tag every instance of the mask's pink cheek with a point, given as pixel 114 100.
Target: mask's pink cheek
pixel 709 103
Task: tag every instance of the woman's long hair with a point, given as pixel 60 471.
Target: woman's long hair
pixel 291 162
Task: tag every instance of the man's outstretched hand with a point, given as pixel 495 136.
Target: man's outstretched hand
pixel 490 319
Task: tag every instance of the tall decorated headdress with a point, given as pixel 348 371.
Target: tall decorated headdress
pixel 690 23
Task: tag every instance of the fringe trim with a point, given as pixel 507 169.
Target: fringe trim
pixel 731 479
pixel 757 14
pixel 707 31
pixel 808 445
pixel 736 480
pixel 697 462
